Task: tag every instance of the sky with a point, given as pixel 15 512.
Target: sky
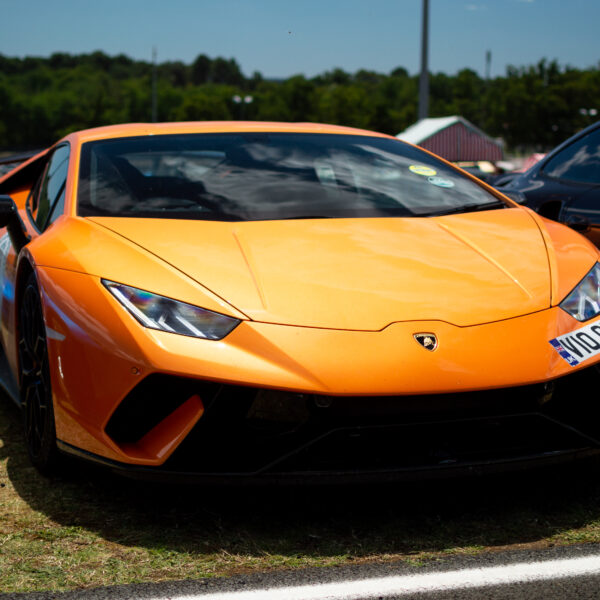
pixel 281 38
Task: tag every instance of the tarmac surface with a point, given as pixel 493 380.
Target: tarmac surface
pixel 563 572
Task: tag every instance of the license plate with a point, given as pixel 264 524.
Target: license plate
pixel 579 345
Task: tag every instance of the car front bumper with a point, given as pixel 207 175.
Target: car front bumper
pixel 349 401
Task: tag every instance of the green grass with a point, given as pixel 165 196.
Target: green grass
pixel 95 529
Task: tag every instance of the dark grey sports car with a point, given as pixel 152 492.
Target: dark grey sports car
pixel 565 184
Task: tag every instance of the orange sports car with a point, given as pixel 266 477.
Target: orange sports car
pixel 271 301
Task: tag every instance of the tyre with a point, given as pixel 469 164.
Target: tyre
pixel 34 382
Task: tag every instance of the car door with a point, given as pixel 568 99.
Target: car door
pixel 577 168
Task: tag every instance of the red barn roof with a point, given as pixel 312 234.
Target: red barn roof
pixel 453 138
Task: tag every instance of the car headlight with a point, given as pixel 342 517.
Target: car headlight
pixel 165 314
pixel 583 302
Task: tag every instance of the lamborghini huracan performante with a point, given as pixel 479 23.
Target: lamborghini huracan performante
pixel 280 302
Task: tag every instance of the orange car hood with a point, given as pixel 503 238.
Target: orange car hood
pixel 360 274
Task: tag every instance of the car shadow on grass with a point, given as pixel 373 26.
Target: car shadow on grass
pixel 352 521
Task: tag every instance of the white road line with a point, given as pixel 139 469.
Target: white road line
pixel 400 585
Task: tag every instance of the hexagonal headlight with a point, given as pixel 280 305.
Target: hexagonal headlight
pixel 583 303
pixel 166 314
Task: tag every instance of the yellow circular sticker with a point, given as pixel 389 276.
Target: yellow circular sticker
pixel 423 170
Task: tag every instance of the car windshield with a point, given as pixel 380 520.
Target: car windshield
pixel 260 176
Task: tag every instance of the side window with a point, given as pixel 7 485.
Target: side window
pixel 50 199
pixel 579 162
pixel 58 207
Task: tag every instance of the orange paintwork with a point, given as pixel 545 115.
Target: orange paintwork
pixel 372 272
pixel 568 252
pixel 326 306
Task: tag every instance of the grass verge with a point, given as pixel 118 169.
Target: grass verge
pixel 95 529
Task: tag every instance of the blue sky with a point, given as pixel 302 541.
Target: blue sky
pixel 281 38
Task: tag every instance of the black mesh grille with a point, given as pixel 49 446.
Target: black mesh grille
pixel 257 431
pixel 261 431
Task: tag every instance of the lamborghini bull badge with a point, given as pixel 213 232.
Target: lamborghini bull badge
pixel 427 340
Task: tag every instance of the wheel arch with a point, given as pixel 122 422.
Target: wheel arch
pixel 24 269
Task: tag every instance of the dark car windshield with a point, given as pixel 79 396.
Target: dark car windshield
pixel 259 176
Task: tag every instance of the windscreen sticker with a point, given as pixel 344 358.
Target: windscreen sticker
pixel 422 170
pixel 579 345
pixel 441 182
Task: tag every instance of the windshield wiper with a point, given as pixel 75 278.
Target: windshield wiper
pixel 464 208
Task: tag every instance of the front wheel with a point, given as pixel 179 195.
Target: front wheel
pixel 34 382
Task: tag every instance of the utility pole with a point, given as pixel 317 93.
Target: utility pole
pixel 424 79
pixel 484 97
pixel 154 100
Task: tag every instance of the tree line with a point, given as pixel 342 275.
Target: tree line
pixel 41 99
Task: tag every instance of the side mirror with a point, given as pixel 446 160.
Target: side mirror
pixel 9 218
pixel 7 207
pixel 578 223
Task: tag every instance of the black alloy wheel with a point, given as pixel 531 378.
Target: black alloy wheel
pixel 34 382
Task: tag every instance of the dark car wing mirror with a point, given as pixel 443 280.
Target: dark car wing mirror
pixel 9 218
pixel 578 223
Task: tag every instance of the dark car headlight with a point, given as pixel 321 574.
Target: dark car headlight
pixel 165 314
pixel 583 303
